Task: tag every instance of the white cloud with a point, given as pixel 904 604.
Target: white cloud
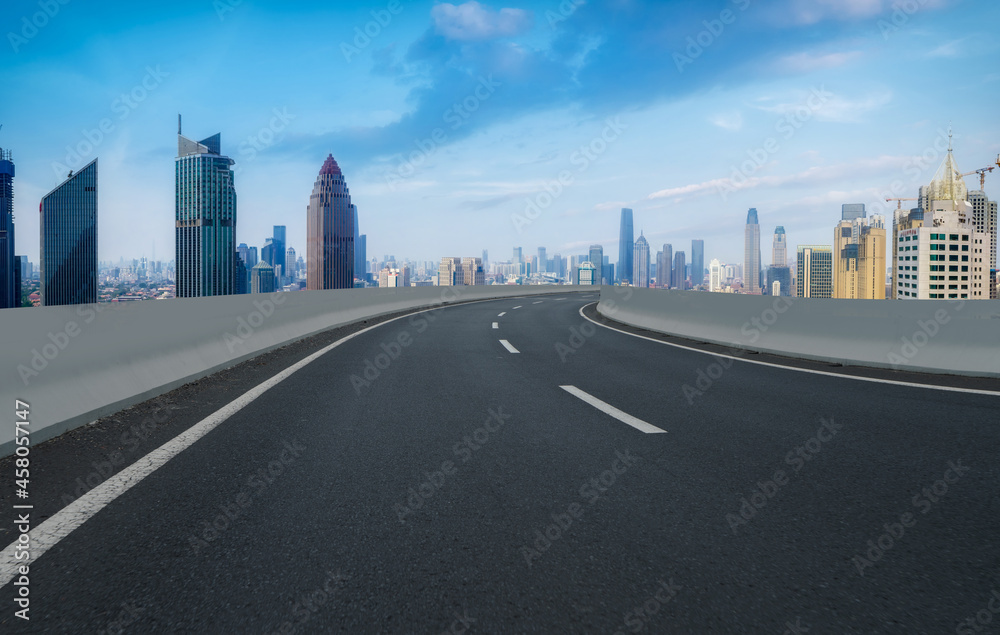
pixel 473 21
pixel 728 121
pixel 835 108
pixel 948 49
pixel 805 62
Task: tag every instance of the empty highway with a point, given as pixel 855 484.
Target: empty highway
pixel 511 466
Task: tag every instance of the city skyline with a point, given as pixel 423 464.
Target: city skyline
pixel 858 129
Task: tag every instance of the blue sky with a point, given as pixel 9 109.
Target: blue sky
pixel 449 119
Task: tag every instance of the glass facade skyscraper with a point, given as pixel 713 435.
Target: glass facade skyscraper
pixel 751 254
pixel 68 227
pixel 640 263
pixel 697 262
pixel 8 283
pixel 597 258
pixel 205 234
pixel 330 231
pixel 626 245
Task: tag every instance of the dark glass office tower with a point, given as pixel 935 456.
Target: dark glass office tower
pixel 626 243
pixel 330 231
pixel 697 263
pixel 9 295
pixel 68 227
pixel 205 219
pixel 280 248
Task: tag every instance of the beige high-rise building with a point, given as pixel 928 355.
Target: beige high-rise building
pixel 394 278
pixel 859 259
pixel 455 272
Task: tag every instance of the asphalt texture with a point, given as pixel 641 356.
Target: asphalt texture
pixel 420 478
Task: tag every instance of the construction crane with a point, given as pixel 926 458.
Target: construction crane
pixel 899 201
pixel 982 174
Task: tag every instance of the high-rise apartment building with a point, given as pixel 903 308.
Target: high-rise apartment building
pixel 779 248
pixel 473 273
pixel 9 294
pixel 626 247
pixel 751 251
pixel 586 274
pixel 984 218
pixel 330 231
pixel 859 259
pixel 640 263
pixel 814 275
pixel 393 278
pixel 68 227
pixel 262 279
pixel 679 280
pixel 715 273
pixel 205 234
pixel 697 263
pixel 939 251
pixel 455 272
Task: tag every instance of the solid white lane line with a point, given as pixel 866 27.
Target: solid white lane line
pixel 515 308
pixel 496 325
pixel 875 380
pixel 502 314
pixel 46 535
pixel 509 347
pixel 607 408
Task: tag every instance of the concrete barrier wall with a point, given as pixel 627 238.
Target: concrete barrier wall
pixel 932 336
pixel 75 364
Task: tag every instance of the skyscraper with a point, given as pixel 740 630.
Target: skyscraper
pixel 330 231
pixel 665 270
pixel 679 278
pixel 518 257
pixel 751 254
pixel 597 259
pixel 68 227
pixel 984 217
pixel 779 248
pixel 715 276
pixel 290 265
pixel 262 278
pixel 7 269
pixel 640 263
pixel 363 258
pixel 586 274
pixel 359 254
pixel 626 245
pixel 278 240
pixel 542 260
pixel 852 211
pixel 205 235
pixel 697 262
pixel 814 277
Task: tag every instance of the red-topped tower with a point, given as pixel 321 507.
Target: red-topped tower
pixel 330 231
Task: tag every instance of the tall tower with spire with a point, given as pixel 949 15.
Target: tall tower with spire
pixel 330 231
pixel 640 262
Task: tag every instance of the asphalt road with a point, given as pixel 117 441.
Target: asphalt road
pixel 424 478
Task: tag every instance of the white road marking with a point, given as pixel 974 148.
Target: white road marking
pixel 508 346
pixel 502 314
pixel 539 302
pixel 46 535
pixel 496 325
pixel 607 408
pixel 515 308
pixel 559 299
pixel 875 380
